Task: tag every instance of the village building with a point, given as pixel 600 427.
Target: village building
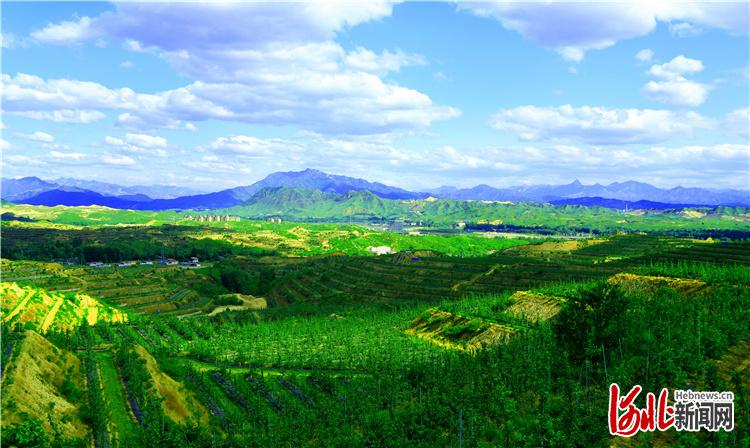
pixel 125 264
pixel 212 218
pixel 380 250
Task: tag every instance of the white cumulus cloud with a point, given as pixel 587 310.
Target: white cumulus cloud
pixel 596 125
pixel 738 122
pixel 645 55
pixel 117 160
pixel 573 28
pixel 684 29
pixel 366 60
pixel 251 62
pixel 66 33
pixel 676 68
pixel 673 87
pixel 66 155
pixel 146 141
pixel 37 136
pixel 62 115
pixel 680 92
pixel 139 144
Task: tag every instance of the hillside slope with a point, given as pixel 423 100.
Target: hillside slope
pixel 33 386
pixel 42 310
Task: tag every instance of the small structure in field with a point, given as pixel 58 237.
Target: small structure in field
pixel 380 250
pixel 274 220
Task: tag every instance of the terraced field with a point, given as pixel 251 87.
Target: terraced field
pixel 233 399
pixel 395 345
pixel 398 278
pixel 34 308
pixel 384 280
pixel 459 332
pixel 147 289
pixel 534 307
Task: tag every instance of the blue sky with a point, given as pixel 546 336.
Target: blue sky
pixel 415 94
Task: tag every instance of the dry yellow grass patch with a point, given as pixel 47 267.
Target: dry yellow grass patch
pixel 553 247
pixel 708 240
pixel 692 214
pixel 534 307
pixel 94 310
pixel 736 359
pixel 46 310
pixel 179 402
pixel 745 217
pixel 443 329
pixel 14 300
pixel 31 385
pixel 650 283
pixel 299 231
pixel 249 303
pixel 51 315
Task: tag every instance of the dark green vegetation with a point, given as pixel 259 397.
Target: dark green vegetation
pixel 335 358
pixel 113 244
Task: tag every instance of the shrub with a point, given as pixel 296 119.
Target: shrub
pixel 70 391
pixel 26 435
pixel 225 300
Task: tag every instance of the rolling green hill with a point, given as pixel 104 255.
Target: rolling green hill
pixel 304 205
pixel 297 204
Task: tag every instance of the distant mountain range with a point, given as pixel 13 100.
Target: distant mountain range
pixel 625 191
pixel 16 190
pixel 618 204
pixel 328 183
pixel 631 194
pixel 306 204
pixel 136 191
pixel 301 204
